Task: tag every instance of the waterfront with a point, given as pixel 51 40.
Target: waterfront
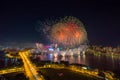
pixel 102 62
pixel 86 59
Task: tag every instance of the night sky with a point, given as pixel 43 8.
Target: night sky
pixel 18 20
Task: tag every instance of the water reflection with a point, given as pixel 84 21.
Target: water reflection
pixel 80 59
pixel 8 62
pixel 102 62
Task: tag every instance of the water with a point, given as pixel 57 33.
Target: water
pixel 102 62
pixel 6 62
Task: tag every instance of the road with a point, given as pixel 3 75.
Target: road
pixel 30 69
pixel 6 71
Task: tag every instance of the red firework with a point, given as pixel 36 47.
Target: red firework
pixel 69 32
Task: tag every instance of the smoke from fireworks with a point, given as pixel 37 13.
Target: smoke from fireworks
pixel 69 32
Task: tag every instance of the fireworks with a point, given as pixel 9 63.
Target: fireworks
pixel 69 32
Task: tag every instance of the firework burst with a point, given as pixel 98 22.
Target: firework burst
pixel 68 31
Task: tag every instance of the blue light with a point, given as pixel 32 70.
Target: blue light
pixel 51 49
